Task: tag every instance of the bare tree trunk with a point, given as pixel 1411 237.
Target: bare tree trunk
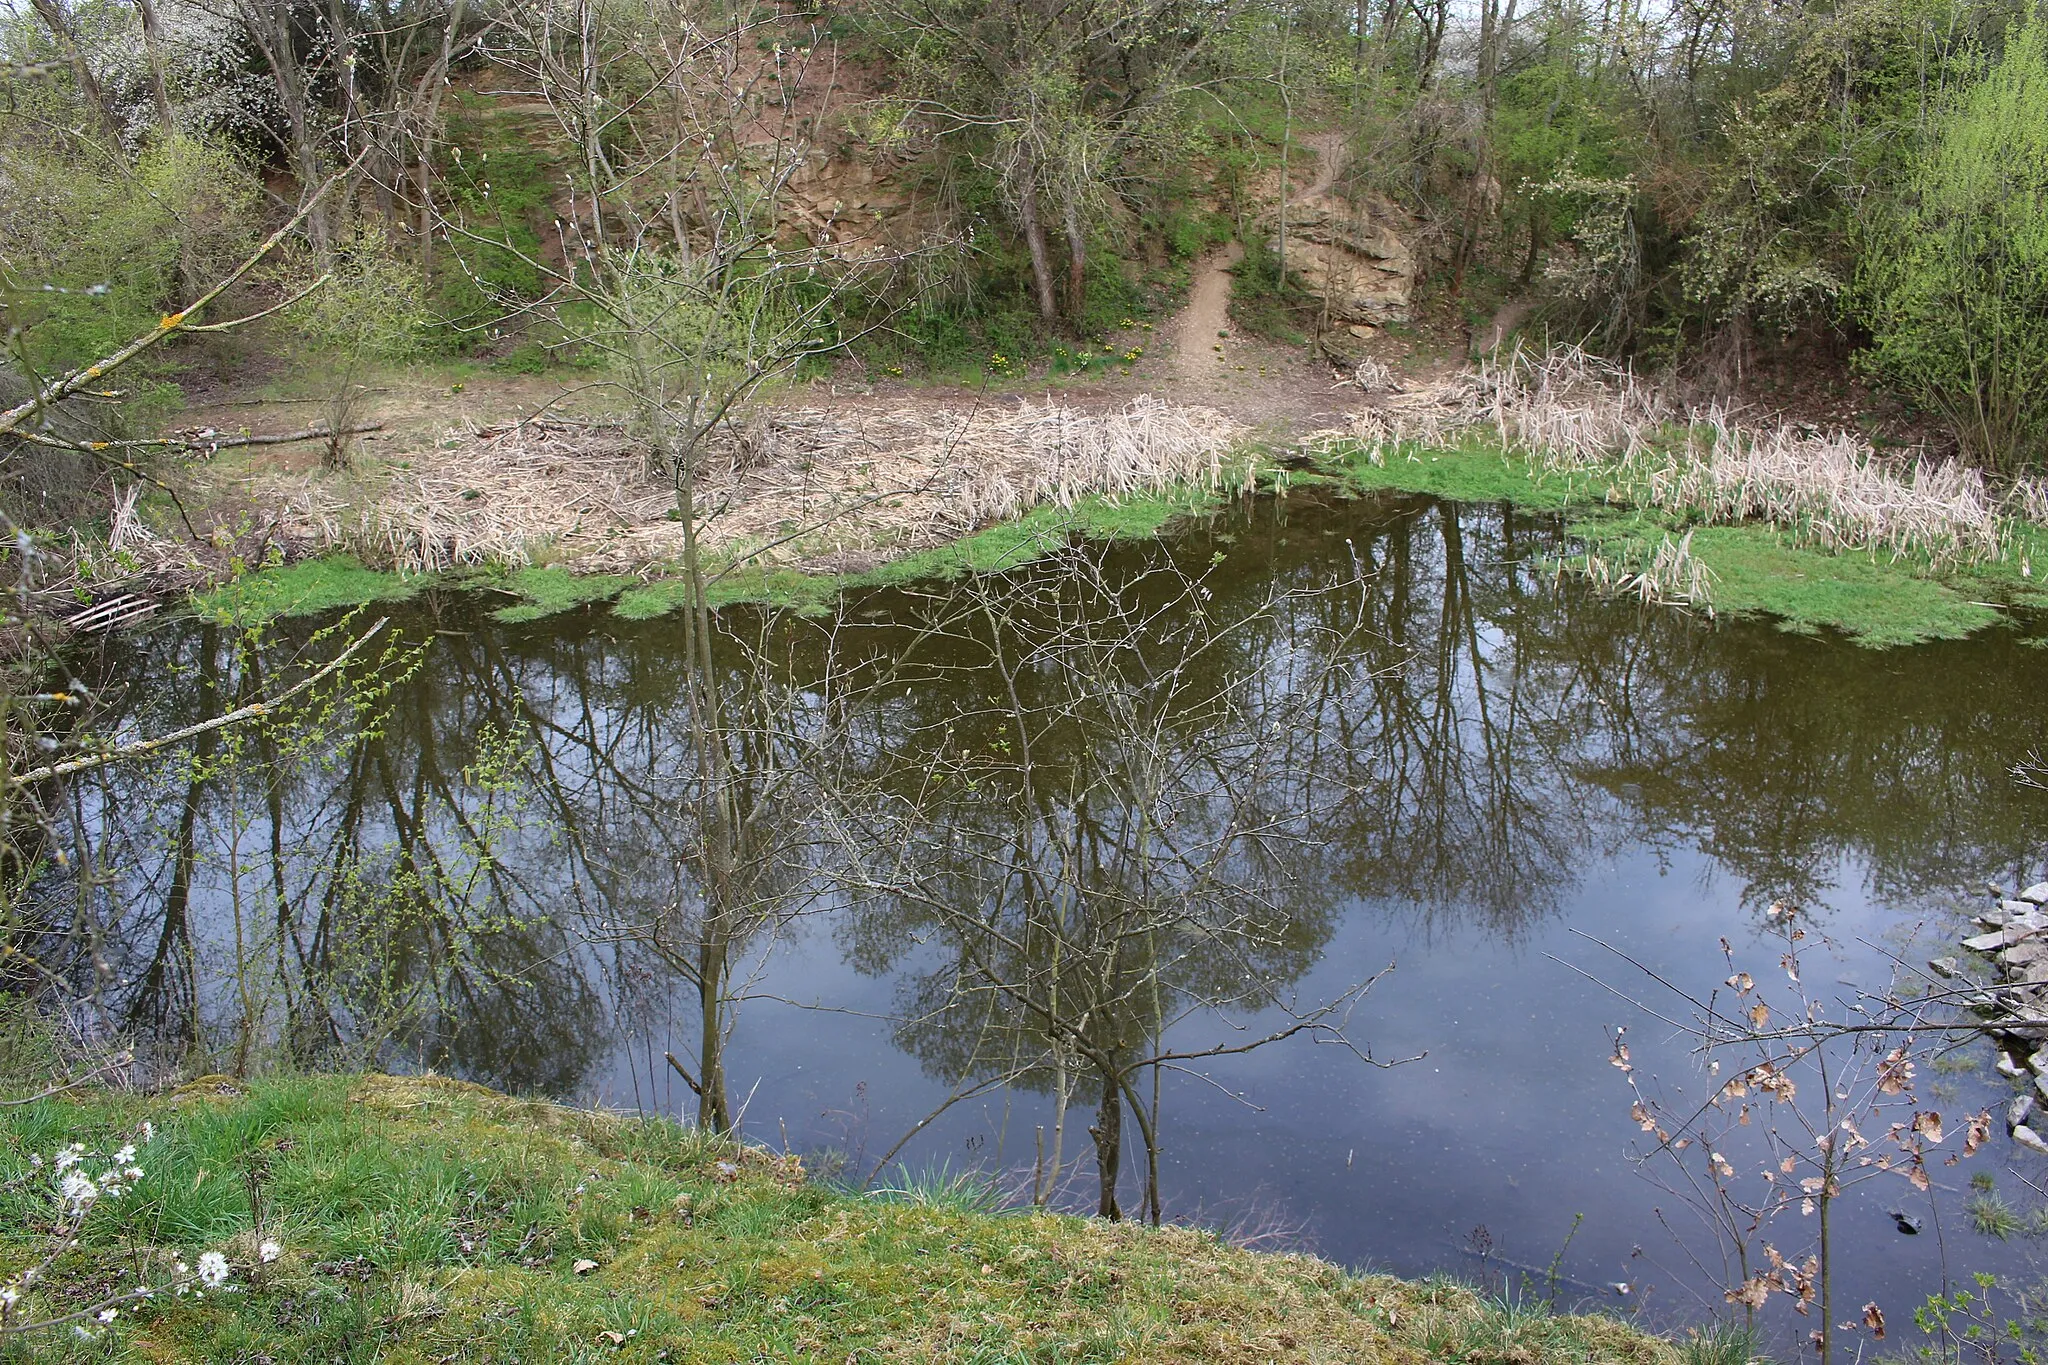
pixel 429 126
pixel 1034 239
pixel 59 23
pixel 268 24
pixel 1108 1132
pixel 714 1111
pixel 152 46
pixel 1077 261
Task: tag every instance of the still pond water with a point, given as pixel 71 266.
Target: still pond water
pixel 1499 785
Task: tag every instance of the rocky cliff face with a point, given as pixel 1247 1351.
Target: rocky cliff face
pixel 1351 255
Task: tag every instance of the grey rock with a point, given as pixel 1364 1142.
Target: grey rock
pixel 2038 1062
pixel 1987 943
pixel 2007 1067
pixel 2016 1112
pixel 2026 1137
pixel 2037 893
pixel 2023 952
pixel 1945 967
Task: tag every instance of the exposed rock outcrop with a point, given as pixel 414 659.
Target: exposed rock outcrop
pixel 1352 256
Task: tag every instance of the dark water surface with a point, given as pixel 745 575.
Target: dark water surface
pixel 1513 772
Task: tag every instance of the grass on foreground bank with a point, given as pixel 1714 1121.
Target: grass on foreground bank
pixel 1756 569
pixel 430 1220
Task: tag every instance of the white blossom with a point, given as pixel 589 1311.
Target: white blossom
pixel 213 1268
pixel 269 1252
pixel 78 1191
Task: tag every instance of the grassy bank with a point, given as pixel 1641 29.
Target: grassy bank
pixel 1874 598
pixel 418 1220
pixel 312 586
pixel 1754 568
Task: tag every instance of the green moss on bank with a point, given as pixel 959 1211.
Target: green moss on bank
pixel 306 588
pixel 547 591
pixel 1757 571
pixel 431 1220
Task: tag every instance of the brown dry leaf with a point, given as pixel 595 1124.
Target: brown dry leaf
pixel 615 1338
pixel 1894 1072
pixel 1978 1132
pixel 584 1267
pixel 1918 1175
pixel 1791 966
pixel 1928 1125
pixel 1753 1292
pixel 1873 1318
pixel 1788 1165
pixel 1620 1057
pixel 1759 1015
pixel 1742 983
pixel 1641 1114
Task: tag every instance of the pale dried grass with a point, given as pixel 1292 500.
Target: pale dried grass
pixel 780 486
pixel 132 554
pixel 1576 415
pixel 1672 577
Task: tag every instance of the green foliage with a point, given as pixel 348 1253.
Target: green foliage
pixel 1954 278
pixel 548 591
pixel 1875 603
pixel 497 179
pixel 1719 1343
pixel 1265 303
pixel 939 1186
pixel 1987 1320
pixel 1553 120
pixel 92 254
pixel 1991 1215
pixel 374 307
pixel 306 588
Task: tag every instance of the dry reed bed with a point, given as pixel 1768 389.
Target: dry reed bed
pixel 788 485
pixel 1577 415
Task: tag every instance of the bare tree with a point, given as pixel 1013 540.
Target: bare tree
pixel 681 271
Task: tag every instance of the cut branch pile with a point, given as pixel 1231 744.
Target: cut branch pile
pixel 797 485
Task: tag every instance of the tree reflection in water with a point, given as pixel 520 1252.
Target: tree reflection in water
pixel 1068 812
